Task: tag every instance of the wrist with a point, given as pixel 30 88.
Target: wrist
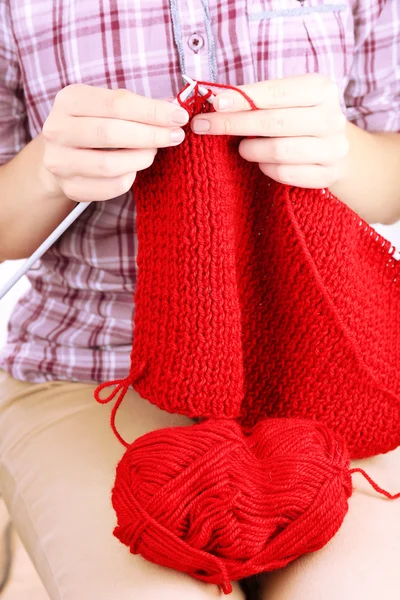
pixel 342 183
pixel 370 183
pixel 49 186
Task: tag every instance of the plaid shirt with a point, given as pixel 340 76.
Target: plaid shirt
pixel 75 323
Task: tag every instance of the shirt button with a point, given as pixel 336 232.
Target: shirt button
pixel 196 42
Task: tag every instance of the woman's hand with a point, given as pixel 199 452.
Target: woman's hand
pixel 87 122
pixel 300 129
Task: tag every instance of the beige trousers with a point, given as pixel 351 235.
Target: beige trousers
pixel 57 465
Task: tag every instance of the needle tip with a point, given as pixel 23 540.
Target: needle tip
pixel 188 79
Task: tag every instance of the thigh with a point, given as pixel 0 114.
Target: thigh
pixel 362 561
pixel 57 465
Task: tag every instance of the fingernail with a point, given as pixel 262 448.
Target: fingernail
pixel 201 125
pixel 225 102
pixel 180 117
pixel 177 136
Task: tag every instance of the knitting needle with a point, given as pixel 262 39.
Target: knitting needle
pixel 78 210
pixel 73 215
pixel 203 91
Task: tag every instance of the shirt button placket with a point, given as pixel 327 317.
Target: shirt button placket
pixel 194 39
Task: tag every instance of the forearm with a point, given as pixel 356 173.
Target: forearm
pixel 30 205
pixel 371 184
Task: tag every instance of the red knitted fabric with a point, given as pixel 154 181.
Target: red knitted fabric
pixel 254 300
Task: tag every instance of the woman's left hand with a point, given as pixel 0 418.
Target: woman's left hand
pixel 300 129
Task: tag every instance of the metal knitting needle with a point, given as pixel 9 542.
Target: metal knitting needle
pixel 78 210
pixel 73 215
pixel 186 93
pixel 203 91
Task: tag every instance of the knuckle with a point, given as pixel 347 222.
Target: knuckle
pixel 66 97
pixel 329 177
pixel 63 95
pixel 158 138
pixel 330 88
pixel 71 190
pixel 284 174
pixel 316 82
pixel 146 159
pixel 325 128
pixel 324 88
pixel 342 147
pixel 106 166
pixel 51 164
pixel 280 150
pixel 104 135
pixel 317 78
pixel 325 121
pixel 244 149
pixel 265 126
pixel 228 126
pixel 279 94
pixel 115 102
pixel 341 122
pixel 50 129
pixel 154 137
pixel 123 184
pixel 274 126
pixel 152 113
pixel 335 122
pixel 152 156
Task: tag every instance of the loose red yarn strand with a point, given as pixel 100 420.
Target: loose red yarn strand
pixel 375 485
pixel 121 388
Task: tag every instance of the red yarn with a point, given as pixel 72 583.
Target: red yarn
pixel 120 387
pixel 254 301
pixel 222 506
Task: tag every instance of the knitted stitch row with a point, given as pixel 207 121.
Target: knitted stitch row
pixel 270 313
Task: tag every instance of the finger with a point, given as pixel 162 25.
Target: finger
pixel 304 176
pixel 81 100
pixel 284 122
pixel 96 189
pixel 295 151
pixel 69 162
pixel 89 132
pixel 302 91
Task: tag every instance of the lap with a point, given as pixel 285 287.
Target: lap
pixel 362 561
pixel 57 465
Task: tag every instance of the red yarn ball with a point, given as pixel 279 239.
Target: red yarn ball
pixel 221 505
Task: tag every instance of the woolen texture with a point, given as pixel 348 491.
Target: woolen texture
pixel 263 300
pixel 217 504
pixel 271 314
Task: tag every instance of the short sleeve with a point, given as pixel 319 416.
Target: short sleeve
pixel 13 129
pixel 373 93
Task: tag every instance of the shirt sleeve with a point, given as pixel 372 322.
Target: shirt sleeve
pixel 373 93
pixel 13 124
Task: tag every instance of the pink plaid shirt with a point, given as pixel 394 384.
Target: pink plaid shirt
pixel 75 323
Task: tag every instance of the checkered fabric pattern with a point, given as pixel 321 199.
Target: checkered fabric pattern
pixel 75 322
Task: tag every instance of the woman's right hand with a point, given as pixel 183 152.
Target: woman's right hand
pixel 96 139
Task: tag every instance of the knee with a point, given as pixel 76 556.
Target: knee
pixel 187 589
pixel 184 588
